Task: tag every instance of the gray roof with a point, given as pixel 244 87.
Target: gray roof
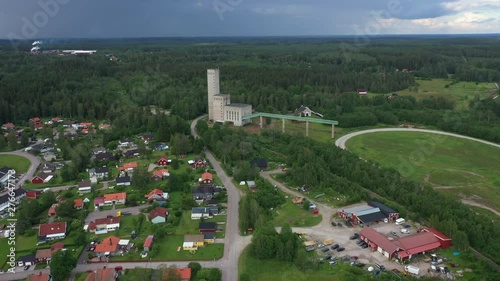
pixel 367 212
pixel 386 210
pixel 205 210
pixel 123 179
pixel 356 209
pixel 17 194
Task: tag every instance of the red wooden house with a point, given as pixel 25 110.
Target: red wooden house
pixel 206 178
pixel 163 161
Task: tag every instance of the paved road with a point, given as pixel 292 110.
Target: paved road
pixel 234 243
pixel 102 214
pixel 342 141
pixel 35 162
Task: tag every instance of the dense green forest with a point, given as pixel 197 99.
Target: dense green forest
pixel 274 75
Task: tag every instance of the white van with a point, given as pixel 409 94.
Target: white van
pixel 400 221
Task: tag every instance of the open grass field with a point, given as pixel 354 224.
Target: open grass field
pixel 461 93
pixel 295 216
pixel 459 167
pixel 18 163
pixel 270 270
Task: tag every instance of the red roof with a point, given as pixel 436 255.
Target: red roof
pixel 56 119
pixel 52 228
pixel 9 126
pixel 115 196
pixel 155 191
pixel 160 173
pixel 56 247
pixel 112 220
pixel 184 273
pixel 102 274
pixel 40 276
pixel 379 240
pixel 35 119
pixel 130 165
pixel 86 124
pixel 38 125
pixel 439 235
pixel 149 241
pixel 206 176
pixel 158 211
pixel 52 209
pixel 78 203
pixel 109 244
pixel 99 200
pixel 419 242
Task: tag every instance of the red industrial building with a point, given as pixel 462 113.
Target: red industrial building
pixel 443 239
pixel 403 248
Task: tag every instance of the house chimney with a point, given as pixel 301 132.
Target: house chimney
pixel 110 242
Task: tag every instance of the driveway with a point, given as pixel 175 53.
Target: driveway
pixel 102 214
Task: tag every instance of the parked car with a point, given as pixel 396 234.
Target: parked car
pixel 359 242
pixel 324 250
pixel 353 263
pixel 406 226
pixel 346 258
pixel 334 223
pixel 364 246
pixel 340 249
pixel 27 267
pixel 126 213
pixel 355 236
pixel 382 267
pixel 405 231
pixel 360 264
pixel 321 245
pixel 339 224
pixel 334 246
pixel 354 258
pixel 310 248
pixel 334 258
pixel 332 263
pixel 328 257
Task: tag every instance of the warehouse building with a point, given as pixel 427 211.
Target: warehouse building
pixel 389 213
pixel 443 239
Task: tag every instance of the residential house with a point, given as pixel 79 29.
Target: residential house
pixel 42 178
pixel 192 242
pixel 6 173
pixel 156 194
pixel 362 92
pixel 115 198
pixel 212 202
pixel 45 255
pixel 208 227
pixel 52 231
pixel 209 237
pixel 103 225
pixel 183 273
pixel 198 163
pixel 99 172
pixel 303 111
pixel 102 274
pixel 125 143
pixel 98 202
pixel 131 153
pixel 104 126
pixel 98 150
pixel 33 194
pixel 6 200
pixel 26 260
pixel 8 126
pixel 56 120
pixel 85 125
pixel 52 210
pixel 161 146
pixel 159 175
pixel 78 203
pixel 128 167
pixel 42 148
pixel 84 186
pixel 147 137
pixel 158 215
pixel 48 167
pixel 163 161
pixel 148 243
pixel 40 276
pixel 203 212
pixel 108 246
pixel 104 156
pixel 205 193
pixel 252 185
pixel 206 178
pixel 124 180
pixel 259 163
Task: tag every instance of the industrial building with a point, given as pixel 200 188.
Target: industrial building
pixel 220 108
pixel 403 248
pixel 368 214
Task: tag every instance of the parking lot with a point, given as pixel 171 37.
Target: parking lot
pixel 341 235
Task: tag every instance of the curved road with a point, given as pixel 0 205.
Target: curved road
pixel 35 162
pixel 341 142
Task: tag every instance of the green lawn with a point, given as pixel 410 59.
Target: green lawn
pixel 295 216
pixel 187 225
pixel 466 167
pixel 81 276
pixel 461 92
pixel 18 163
pixel 168 251
pixel 271 270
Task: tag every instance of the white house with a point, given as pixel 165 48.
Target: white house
pixel 115 198
pixel 5 175
pixel 203 212
pixel 104 225
pixel 5 199
pixel 99 172
pixel 84 187
pixel 51 231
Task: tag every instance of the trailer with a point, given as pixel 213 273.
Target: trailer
pixel 412 269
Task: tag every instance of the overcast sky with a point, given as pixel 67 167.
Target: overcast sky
pixel 31 19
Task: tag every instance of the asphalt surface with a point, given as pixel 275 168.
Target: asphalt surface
pixel 342 140
pixel 234 243
pixel 35 162
pixel 102 214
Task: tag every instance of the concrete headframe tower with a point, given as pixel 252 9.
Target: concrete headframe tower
pixel 213 89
